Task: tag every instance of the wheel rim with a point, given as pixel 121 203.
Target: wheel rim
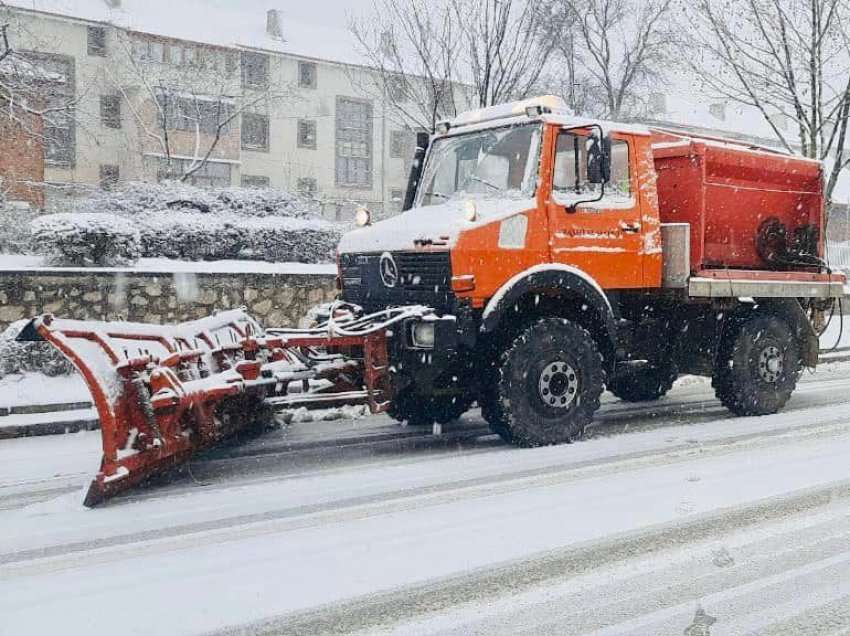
pixel 558 385
pixel 771 364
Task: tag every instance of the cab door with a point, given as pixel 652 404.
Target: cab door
pixel 596 227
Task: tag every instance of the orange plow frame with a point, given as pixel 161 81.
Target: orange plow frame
pixel 163 393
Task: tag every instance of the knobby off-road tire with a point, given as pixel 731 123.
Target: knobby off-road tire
pixel 548 385
pixel 758 365
pixel 643 385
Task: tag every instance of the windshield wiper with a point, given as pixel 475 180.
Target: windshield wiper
pixel 474 177
pixel 434 193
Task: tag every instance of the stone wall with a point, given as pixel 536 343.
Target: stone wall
pixel 277 300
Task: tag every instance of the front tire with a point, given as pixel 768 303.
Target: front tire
pixel 758 365
pixel 549 382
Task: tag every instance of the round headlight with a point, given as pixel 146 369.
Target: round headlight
pixel 362 216
pixel 470 211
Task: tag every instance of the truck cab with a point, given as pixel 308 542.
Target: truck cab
pixel 537 238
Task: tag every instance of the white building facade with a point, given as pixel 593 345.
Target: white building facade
pixel 296 121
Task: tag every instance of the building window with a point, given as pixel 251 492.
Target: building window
pixel 59 141
pixel 307 186
pixel 306 133
pixel 176 53
pixel 401 145
pixel 97 41
pixel 255 70
pixel 397 89
pixel 147 51
pixel 179 112
pixel 307 75
pixel 353 143
pixel 55 92
pixel 109 176
pixel 212 174
pixel 255 131
pixel 230 64
pixel 110 111
pixel 255 181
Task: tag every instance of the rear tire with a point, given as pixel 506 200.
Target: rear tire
pixel 643 385
pixel 758 365
pixel 549 382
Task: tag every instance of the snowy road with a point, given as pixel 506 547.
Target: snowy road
pixel 664 509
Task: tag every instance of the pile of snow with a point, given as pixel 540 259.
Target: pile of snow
pixel 180 221
pixel 22 357
pixel 87 239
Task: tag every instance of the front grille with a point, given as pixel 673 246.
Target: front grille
pixel 423 278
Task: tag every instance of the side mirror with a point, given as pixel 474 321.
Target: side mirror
pixel 598 159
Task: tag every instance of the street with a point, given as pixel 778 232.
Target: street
pixel 667 516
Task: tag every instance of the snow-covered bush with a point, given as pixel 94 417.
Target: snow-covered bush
pixel 196 236
pixel 176 220
pixel 22 357
pixel 140 199
pixel 86 239
pixel 14 228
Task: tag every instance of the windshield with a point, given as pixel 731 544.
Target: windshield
pixel 495 163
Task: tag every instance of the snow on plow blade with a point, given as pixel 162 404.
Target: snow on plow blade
pixel 163 392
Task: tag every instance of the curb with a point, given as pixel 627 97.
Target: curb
pixel 74 423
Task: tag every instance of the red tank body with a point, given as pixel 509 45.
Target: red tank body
pixel 733 197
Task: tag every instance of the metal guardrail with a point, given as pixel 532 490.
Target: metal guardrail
pixel 838 254
pixel 840 354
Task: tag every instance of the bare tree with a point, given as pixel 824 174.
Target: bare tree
pixel 790 60
pixel 33 89
pixel 506 47
pixel 412 49
pixel 190 110
pixel 611 50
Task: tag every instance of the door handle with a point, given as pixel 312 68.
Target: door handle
pixel 631 228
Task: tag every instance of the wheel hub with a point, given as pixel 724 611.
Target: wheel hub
pixel 558 385
pixel 770 364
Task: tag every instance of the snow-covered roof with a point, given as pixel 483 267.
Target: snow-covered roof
pixel 736 118
pixel 209 23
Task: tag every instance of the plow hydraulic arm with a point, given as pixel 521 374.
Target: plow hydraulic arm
pixel 164 392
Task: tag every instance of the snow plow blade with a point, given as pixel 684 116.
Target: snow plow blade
pixel 164 392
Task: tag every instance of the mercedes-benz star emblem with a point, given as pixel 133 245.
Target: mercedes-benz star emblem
pixel 389 270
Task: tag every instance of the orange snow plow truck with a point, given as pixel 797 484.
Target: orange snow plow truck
pixel 541 259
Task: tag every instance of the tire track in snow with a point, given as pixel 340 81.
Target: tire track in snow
pixel 508 580
pixel 186 536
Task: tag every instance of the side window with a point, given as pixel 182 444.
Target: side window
pixel 571 165
pixel 621 176
pixel 570 178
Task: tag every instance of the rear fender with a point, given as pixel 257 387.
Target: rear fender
pixel 790 310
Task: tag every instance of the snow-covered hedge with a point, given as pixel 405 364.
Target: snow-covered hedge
pixel 22 357
pixel 175 220
pixel 86 239
pixel 14 228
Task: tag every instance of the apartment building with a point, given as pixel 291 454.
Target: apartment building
pixel 148 90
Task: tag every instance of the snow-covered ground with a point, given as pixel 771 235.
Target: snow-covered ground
pixel 838 332
pixel 665 507
pixel 36 389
